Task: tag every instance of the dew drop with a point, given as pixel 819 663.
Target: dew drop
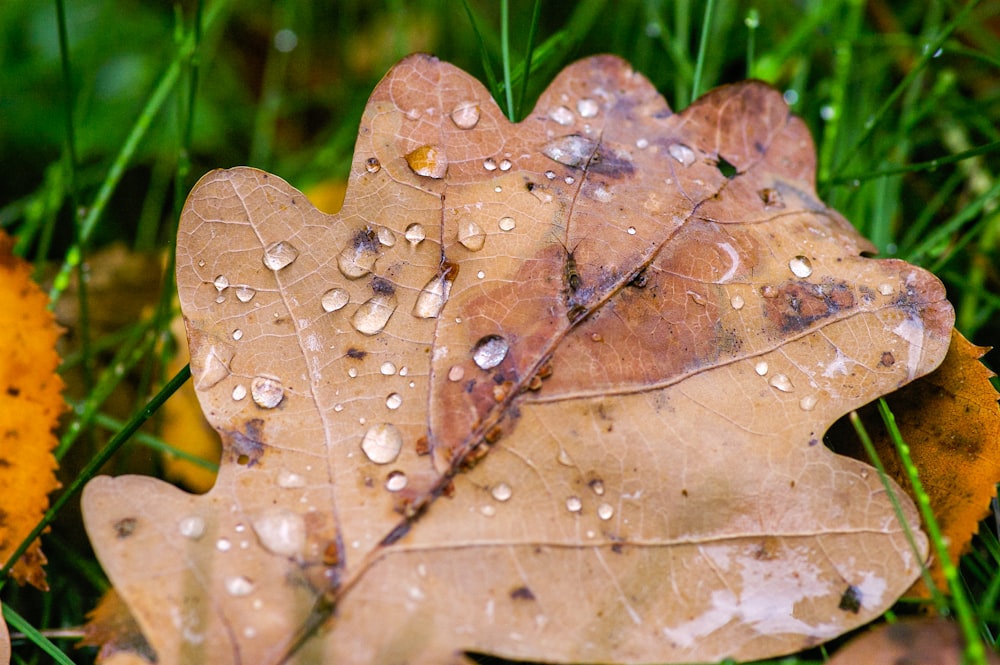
pixel 372 165
pixel 800 266
pixel 808 403
pixel 782 383
pixel 572 150
pixel 237 335
pixel 506 224
pixel 562 115
pixel 471 235
pixel 642 144
pixel 221 283
pixel 249 632
pixel 223 545
pixel 569 180
pixel 551 175
pixel 245 294
pixel 488 510
pixel 290 480
pixel 395 481
pixel 382 443
pixel 267 392
pixel 465 115
pixel 681 153
pixel 502 492
pixel 201 263
pixel 279 255
pixel 239 392
pixel 387 368
pixel 605 511
pixel 490 164
pixel 481 274
pixel 885 289
pixel 386 237
pixel 281 531
pixel 489 351
pixel 630 230
pixel 354 262
pixel 215 367
pixel 428 161
pixel 573 504
pixel 456 373
pixel 334 299
pixel 505 165
pixel 597 485
pixel 587 108
pixel 221 299
pixel 760 368
pixel 432 298
pixel 238 586
pixel 352 372
pixel 373 314
pixel 415 233
pixel 737 302
pixel 564 458
pixel 393 401
pixel 192 527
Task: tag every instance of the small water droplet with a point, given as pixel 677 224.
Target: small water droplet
pixel 279 255
pixel 238 586
pixel 760 368
pixel 334 299
pixel 221 299
pixel 290 480
pixel 498 189
pixel 569 180
pixel 562 115
pixel 249 632
pixel 245 294
pixel 192 527
pixel 471 235
pixel 572 150
pixel 490 164
pixel 428 161
pixel 456 373
pixel 387 368
pixel 338 407
pixel 808 403
pixel 432 298
pixel 223 545
pixel 597 485
pixel 373 314
pixel 239 392
pixel 382 443
pixel 266 391
pixel 737 301
pixel 372 165
pixel 506 224
pixel 352 372
pixel 281 531
pixel 505 165
pixel 551 175
pixel 587 108
pixel 415 233
pixel 885 289
pixel 573 504
pixel 201 263
pixel 395 481
pixel 386 237
pixel 489 351
pixel 393 401
pixel 605 511
pixel 465 115
pixel 642 144
pixel 215 367
pixel 681 153
pixel 630 230
pixel 564 458
pixel 221 283
pixel 237 334
pixel 488 510
pixel 782 383
pixel 481 274
pixel 502 492
pixel 800 266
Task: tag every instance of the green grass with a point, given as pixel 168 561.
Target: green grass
pixel 110 111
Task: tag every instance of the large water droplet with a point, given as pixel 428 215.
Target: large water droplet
pixel 415 233
pixel 356 261
pixel 281 531
pixel 334 299
pixel 489 351
pixel 782 383
pixel 605 511
pixel 238 585
pixel 490 164
pixel 507 224
pixel 221 283
pixel 573 504
pixel 215 367
pixel 471 235
pixel 800 266
pixel 428 161
pixel 279 255
pixel 387 368
pixel 572 150
pixel 587 108
pixel 245 294
pixel 502 492
pixel 192 527
pixel 382 443
pixel 396 481
pixel 465 115
pixel 681 153
pixel 562 115
pixel 373 315
pixel 266 391
pixel 393 401
pixel 432 298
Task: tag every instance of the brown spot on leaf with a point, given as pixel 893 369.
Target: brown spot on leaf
pixel 521 593
pixel 794 306
pixel 125 527
pixel 851 600
pixel 247 444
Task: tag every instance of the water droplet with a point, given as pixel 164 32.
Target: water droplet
pixel 573 504
pixel 372 165
pixel 587 107
pixel 737 301
pixel 245 294
pixel 631 230
pixel 800 266
pixel 562 115
pixel 551 175
pixel 456 373
pixel 488 510
pixel 267 392
pixel 221 283
pixel 505 165
pixel 605 511
pixel 221 299
pixel 192 527
pixel 249 632
pixel 415 233
pixel 808 403
pixel 403 371
pixel 352 372
pixel 760 367
pixel 373 315
pixel 387 368
pixel 498 189
pixel 395 481
pixel 597 485
pixel 502 492
pixel 642 144
pixel 223 545
pixel 386 237
pixel 239 392
pixel 490 164
pixel 481 274
pixel 432 298
pixel 281 531
pixel 489 351
pixel 471 235
pixel 465 115
pixel 334 299
pixel 237 334
pixel 356 261
pixel 394 401
pixel 564 458
pixel 279 255
pixel 239 586
pixel 382 443
pixel 885 289
pixel 215 367
pixel 681 153
pixel 428 161
pixel 572 150
pixel 782 383
pixel 201 263
pixel 507 224
pixel 290 480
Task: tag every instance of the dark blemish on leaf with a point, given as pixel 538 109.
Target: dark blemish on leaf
pixel 851 600
pixel 396 534
pixel 684 493
pixel 610 163
pixel 357 354
pixel 794 306
pixel 383 286
pixel 640 280
pixel 887 359
pixel 423 446
pixel 813 441
pixel 617 548
pixel 365 240
pixel 521 593
pixel 867 294
pixel 13 391
pixel 530 186
pixel 247 444
pixel 727 169
pixel 125 527
pixel 4 463
pixel 759 147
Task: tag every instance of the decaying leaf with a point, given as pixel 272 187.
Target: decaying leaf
pixel 30 405
pixel 552 391
pixel 910 642
pixel 951 421
pixel 112 627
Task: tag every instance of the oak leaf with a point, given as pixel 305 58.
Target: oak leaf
pixel 552 391
pixel 30 405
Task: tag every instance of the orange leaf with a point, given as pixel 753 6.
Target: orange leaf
pixel 112 627
pixel 30 405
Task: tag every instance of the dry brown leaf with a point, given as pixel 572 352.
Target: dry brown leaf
pixel 112 627
pixel 4 642
pixel 951 421
pixel 552 391
pixel 908 642
pixel 30 405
